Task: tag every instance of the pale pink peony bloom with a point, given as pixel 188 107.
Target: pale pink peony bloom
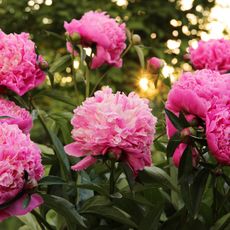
pixel 19 68
pixel 20 169
pixel 218 128
pixel 213 54
pixel 113 123
pixel 99 29
pixel 16 114
pixel 192 95
pixel 154 64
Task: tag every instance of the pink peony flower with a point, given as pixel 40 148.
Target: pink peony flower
pixel 218 128
pixel 178 154
pixel 213 54
pixel 113 123
pixel 19 69
pixel 155 64
pixel 103 31
pixel 20 169
pixel 16 114
pixel 192 95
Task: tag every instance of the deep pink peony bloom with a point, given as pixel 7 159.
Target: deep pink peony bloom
pixel 213 54
pixel 178 154
pixel 20 169
pixel 113 123
pixel 218 128
pixel 155 64
pixel 192 95
pixel 103 31
pixel 16 114
pixel 19 69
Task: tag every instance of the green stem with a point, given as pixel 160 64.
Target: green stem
pixel 160 135
pixel 111 178
pixel 74 74
pixel 41 221
pixel 99 81
pixel 127 49
pixel 87 78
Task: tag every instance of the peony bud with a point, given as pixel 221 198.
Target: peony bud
pixel 186 57
pixel 185 133
pixel 43 65
pixel 154 64
pixel 114 154
pixel 136 39
pixel 75 37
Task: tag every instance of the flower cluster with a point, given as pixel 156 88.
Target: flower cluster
pixel 15 115
pixel 113 123
pixel 20 169
pixel 19 66
pixel 99 29
pixel 218 128
pixel 193 95
pixel 213 54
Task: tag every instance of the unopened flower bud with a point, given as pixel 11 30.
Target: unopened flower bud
pixel 43 65
pixel 114 154
pixel 154 65
pixel 185 133
pixel 75 37
pixel 136 39
pixel 67 35
pixel 186 57
pixel 194 122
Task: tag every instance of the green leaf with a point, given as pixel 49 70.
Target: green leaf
pixel 140 56
pixel 192 183
pixel 93 187
pixel 222 223
pixel 129 174
pixel 61 155
pixel 173 143
pixel 51 180
pixel 57 95
pixel 95 201
pixel 26 201
pixel 183 120
pixel 3 117
pixel 155 175
pixel 160 146
pixel 175 120
pixel 185 167
pixel 51 78
pixel 111 212
pixel 151 219
pixel 66 209
pixel 60 64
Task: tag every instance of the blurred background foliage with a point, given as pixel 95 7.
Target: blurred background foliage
pixel 166 27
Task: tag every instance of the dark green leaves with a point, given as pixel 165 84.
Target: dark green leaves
pixel 173 143
pixel 57 95
pixel 155 175
pixel 51 180
pixel 66 209
pixel 140 56
pixel 193 182
pixel 178 122
pixel 60 64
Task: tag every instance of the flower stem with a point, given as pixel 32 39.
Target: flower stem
pixel 41 221
pixel 127 49
pixel 87 79
pixel 111 178
pixel 99 80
